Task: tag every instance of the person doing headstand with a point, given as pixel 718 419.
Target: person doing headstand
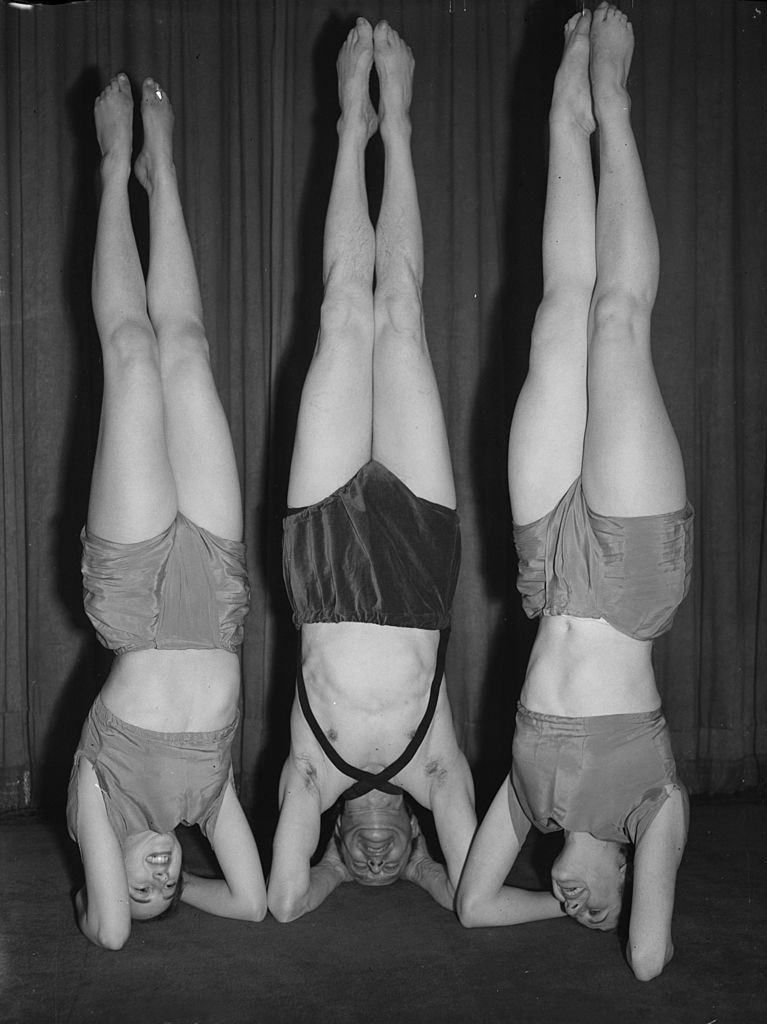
pixel 164 572
pixel 603 533
pixel 371 544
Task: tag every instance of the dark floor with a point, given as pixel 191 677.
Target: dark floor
pixel 371 956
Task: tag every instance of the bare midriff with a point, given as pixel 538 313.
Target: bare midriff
pixel 584 667
pixel 368 685
pixel 174 691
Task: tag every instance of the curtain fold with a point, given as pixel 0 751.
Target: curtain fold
pixel 254 89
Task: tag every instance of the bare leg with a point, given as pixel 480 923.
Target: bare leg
pixel 409 435
pixel 632 464
pixel 546 439
pixel 133 495
pixel 333 435
pixel 198 439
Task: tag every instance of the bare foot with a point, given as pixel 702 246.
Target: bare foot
pixel 612 44
pixel 113 114
pixel 156 156
pixel 355 59
pixel 571 101
pixel 394 64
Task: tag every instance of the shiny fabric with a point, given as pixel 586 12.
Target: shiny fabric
pixel 185 588
pixel 608 775
pixel 153 780
pixel 633 572
pixel 372 551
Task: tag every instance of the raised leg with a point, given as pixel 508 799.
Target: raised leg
pixel 547 430
pixel 409 435
pixel 197 433
pixel 133 495
pixel 334 430
pixel 632 464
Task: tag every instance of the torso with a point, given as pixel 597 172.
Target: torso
pixel 368 687
pixel 174 691
pixel 584 667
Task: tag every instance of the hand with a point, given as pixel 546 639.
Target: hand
pixel 332 858
pixel 420 860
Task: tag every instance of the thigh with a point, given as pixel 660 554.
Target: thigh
pixel 547 429
pixel 632 463
pixel 133 495
pixel 334 429
pixel 199 441
pixel 409 432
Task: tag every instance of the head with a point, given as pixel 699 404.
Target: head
pixel 375 836
pixel 153 869
pixel 588 878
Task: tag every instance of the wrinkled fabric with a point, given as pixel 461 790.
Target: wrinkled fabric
pixel 153 780
pixel 634 572
pixel 372 551
pixel 608 775
pixel 185 588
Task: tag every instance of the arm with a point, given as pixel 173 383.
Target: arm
pixel 451 800
pixel 426 873
pixel 295 887
pixel 483 899
pixel 241 893
pixel 656 863
pixel 103 912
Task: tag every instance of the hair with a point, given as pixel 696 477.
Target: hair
pixel 173 903
pixel 625 891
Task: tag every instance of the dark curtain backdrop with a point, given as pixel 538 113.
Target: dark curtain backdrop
pixel 253 86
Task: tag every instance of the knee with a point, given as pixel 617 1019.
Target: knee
pixel 129 347
pixel 399 309
pixel 620 318
pixel 346 311
pixel 184 347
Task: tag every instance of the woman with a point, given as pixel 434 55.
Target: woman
pixel 163 566
pixel 371 542
pixel 603 534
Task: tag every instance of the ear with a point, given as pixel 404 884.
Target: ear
pixel 415 828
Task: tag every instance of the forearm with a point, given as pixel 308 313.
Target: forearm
pixel 214 896
pixel 507 906
pixel 431 876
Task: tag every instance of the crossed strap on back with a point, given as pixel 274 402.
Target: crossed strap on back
pixel 367 781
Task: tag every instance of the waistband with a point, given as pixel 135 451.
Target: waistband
pixel 590 724
pixel 105 718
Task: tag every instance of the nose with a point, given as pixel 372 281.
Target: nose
pixel 161 874
pixel 573 905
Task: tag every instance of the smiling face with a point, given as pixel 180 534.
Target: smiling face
pixel 153 867
pixel 375 834
pixel 587 878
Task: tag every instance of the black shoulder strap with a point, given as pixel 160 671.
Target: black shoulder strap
pixel 366 781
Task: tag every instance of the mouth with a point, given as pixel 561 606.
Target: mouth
pixel 158 859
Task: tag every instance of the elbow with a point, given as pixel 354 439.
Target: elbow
pixel 469 910
pixel 257 910
pixel 283 908
pixel 647 964
pixel 111 938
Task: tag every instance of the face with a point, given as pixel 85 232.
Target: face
pixel 590 886
pixel 375 838
pixel 153 867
